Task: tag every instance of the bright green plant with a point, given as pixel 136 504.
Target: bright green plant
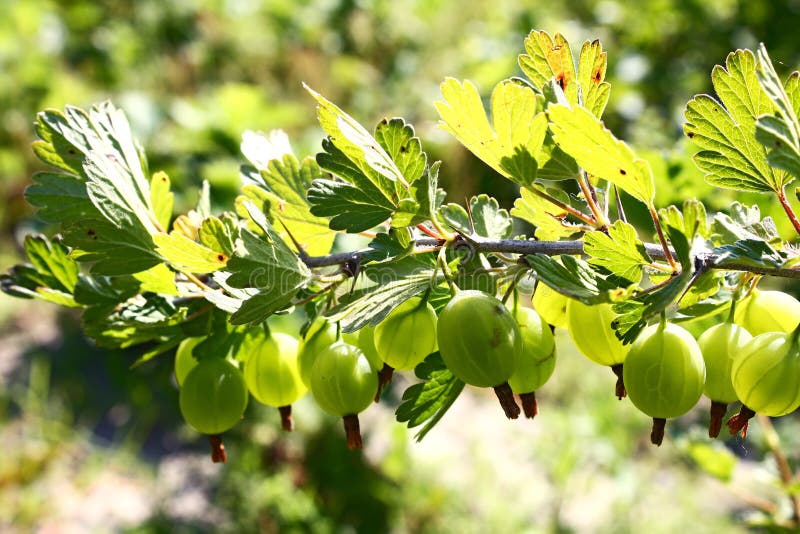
pixel 143 277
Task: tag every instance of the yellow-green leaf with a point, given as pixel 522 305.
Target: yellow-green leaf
pixel 187 255
pixel 511 143
pixel 159 279
pixel 549 219
pixel 591 75
pixel 162 198
pixel 620 251
pixel 549 57
pixel 584 137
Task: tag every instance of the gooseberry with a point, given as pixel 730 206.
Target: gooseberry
pixel 719 344
pixel 767 311
pixel 272 375
pixel 551 305
pixel 407 335
pixel 479 341
pixel 766 377
pixel 536 361
pixel 184 361
pixel 664 374
pixel 591 331
pixel 344 384
pixel 320 335
pixel 213 399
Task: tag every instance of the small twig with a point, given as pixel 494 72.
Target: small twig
pixel 662 239
pixel 591 199
pixel 788 209
pixel 620 209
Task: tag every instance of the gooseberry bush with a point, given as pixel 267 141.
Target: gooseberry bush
pixel 442 288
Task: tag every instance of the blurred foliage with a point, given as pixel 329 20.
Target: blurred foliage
pixel 192 76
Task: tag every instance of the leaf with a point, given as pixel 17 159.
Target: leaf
pixel 358 145
pixel 779 133
pixel 281 194
pixel 113 250
pixel 427 402
pixel 260 148
pixel 751 252
pixel 744 222
pixel 268 266
pixel 162 198
pixel 51 276
pixel 218 235
pixel 354 203
pixel 548 58
pixel 61 198
pixel 591 75
pixel 187 255
pixel 158 279
pixel 397 137
pixel 572 277
pixel 396 283
pixel 582 135
pixel 725 130
pixel 488 219
pixel 517 132
pixel 550 220
pixel 620 251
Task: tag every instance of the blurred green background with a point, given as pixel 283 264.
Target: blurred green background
pixel 91 446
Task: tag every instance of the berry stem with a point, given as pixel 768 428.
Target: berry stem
pixel 620 385
pixel 529 405
pixel 718 410
pixel 657 434
pixel 506 398
pixel 384 378
pixel 738 423
pixel 286 418
pixel 353 432
pixel 218 454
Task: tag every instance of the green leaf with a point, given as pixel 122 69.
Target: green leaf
pixel 427 402
pixel 509 145
pixel 187 255
pixel 744 222
pixel 61 198
pixel 591 75
pixel 158 279
pixel 353 203
pixel 620 251
pixel 779 133
pixel 725 130
pixel 397 137
pixel 488 219
pixel 752 252
pixel 270 267
pixel 162 198
pixel 218 234
pixel 283 185
pixel 51 276
pixel 113 250
pixel 358 145
pixel 392 284
pixel 582 135
pixel 572 277
pixel 550 220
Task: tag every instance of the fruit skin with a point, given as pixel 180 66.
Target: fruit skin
pixel 342 381
pixel 537 360
pixel 214 396
pixel 407 335
pixel 184 361
pixel 719 345
pixel 590 330
pixel 664 371
pixel 320 335
pixel 551 305
pixel 766 373
pixel 479 340
pixel 767 311
pixel 271 372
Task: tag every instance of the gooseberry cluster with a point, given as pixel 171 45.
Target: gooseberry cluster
pixel 485 344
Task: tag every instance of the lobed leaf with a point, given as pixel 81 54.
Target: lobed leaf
pixel 619 251
pixel 549 219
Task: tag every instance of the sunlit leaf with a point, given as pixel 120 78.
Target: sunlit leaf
pixel 620 251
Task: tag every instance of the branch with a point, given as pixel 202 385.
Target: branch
pixel 550 248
